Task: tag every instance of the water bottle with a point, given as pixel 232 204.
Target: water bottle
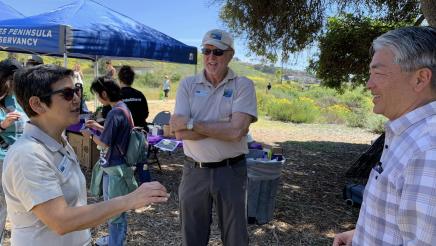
pixel 19 123
pixel 19 127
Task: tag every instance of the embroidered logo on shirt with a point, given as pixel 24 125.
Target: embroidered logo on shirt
pixel 63 164
pixel 228 93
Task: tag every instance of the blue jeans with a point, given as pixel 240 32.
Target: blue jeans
pixel 117 231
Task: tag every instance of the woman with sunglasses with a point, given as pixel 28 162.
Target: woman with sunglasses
pixel 12 120
pixel 44 186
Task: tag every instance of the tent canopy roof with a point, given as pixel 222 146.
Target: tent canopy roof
pixel 7 12
pixel 87 29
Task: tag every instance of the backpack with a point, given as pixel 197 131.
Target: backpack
pixel 353 194
pixel 137 146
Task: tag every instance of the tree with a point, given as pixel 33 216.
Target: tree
pixel 279 28
pixel 344 49
pixel 428 8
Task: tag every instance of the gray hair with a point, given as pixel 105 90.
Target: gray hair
pixel 413 48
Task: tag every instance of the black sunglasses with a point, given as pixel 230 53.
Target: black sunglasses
pixel 67 93
pixel 215 52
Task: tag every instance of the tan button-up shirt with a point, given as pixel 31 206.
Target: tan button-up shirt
pixel 38 169
pixel 197 98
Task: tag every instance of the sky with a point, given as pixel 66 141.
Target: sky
pixel 184 20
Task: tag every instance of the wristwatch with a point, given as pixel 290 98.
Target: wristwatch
pixel 190 124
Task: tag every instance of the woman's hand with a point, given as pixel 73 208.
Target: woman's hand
pixel 86 133
pixel 10 119
pixel 94 125
pixel 147 193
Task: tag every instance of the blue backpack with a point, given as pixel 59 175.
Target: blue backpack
pixel 137 147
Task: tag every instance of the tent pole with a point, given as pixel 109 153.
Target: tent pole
pixel 65 59
pixel 95 76
pixel 96 68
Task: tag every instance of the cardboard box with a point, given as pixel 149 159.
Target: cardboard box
pixel 277 151
pixel 167 131
pixel 85 149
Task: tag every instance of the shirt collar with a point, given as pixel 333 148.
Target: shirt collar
pixel 31 130
pixel 399 125
pixel 229 76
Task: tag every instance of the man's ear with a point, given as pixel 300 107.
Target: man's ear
pixel 423 78
pixel 36 105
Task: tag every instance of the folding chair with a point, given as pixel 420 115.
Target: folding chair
pixel 162 118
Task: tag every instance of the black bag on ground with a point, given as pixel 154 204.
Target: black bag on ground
pixel 353 194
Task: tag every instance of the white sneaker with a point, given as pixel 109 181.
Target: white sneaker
pixel 103 241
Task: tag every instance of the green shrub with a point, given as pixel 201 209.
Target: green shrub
pixel 336 114
pixel 376 123
pixel 301 110
pixel 356 98
pixel 149 80
pixel 357 118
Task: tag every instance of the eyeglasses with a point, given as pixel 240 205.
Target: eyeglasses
pixel 67 93
pixel 215 52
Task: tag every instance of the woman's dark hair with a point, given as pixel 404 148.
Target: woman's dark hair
pixel 112 89
pixel 7 70
pixel 4 86
pixel 126 75
pixel 37 81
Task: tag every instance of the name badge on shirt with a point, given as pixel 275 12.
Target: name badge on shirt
pixel 228 93
pixel 201 93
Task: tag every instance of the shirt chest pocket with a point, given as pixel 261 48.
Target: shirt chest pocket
pixel 225 107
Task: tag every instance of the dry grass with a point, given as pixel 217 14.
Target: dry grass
pixel 309 208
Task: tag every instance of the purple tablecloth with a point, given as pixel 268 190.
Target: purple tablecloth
pixel 154 139
pixel 77 127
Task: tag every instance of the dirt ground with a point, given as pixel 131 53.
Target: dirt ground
pixel 309 207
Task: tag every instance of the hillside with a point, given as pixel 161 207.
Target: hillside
pixel 262 73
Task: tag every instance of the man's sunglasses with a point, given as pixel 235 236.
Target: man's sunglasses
pixel 67 93
pixel 215 52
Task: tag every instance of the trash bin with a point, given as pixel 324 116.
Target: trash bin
pixel 263 183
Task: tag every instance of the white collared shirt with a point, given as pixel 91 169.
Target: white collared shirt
pixel 197 98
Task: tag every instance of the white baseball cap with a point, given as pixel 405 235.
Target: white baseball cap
pixel 218 38
pixel 35 59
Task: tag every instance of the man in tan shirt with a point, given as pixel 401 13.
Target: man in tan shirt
pixel 213 112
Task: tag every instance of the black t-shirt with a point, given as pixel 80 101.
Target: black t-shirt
pixel 137 104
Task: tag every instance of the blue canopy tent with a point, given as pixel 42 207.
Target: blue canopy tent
pixel 7 12
pixel 86 29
